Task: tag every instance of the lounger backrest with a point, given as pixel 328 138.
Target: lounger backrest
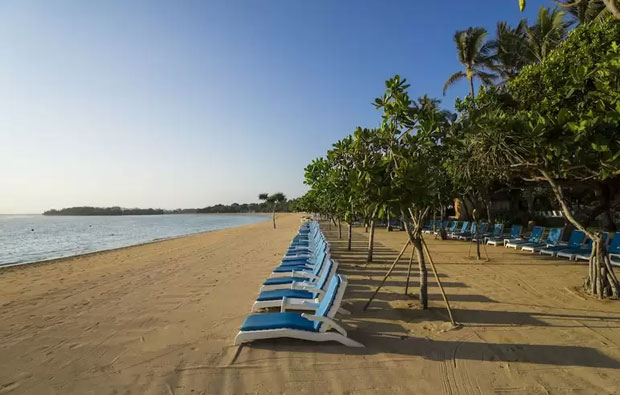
pixel 331 300
pixel 474 226
pixel 483 227
pixel 554 236
pixel 445 223
pixel 515 231
pixel 588 245
pixel 614 247
pixel 453 225
pixel 319 265
pixel 498 229
pixel 576 238
pixel 536 235
pixel 465 225
pixel 321 283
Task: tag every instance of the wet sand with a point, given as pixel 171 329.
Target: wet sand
pixel 161 318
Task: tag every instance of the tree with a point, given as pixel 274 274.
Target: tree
pixel 559 122
pixel 547 33
pixel 474 55
pixel 412 134
pixel 510 50
pixel 274 200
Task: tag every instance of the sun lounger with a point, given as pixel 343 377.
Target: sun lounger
pixel 304 296
pixel 535 237
pixel 319 326
pixel 498 229
pixel 574 243
pixel 614 250
pixel 571 252
pixel 286 281
pixel 455 234
pixel 475 232
pixel 585 253
pixel 553 238
pixel 515 232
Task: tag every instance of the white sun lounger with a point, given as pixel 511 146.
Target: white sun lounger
pixel 318 327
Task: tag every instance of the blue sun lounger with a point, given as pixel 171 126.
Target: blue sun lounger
pixel 318 327
pixel 584 254
pixel 535 237
pixel 614 250
pixel 288 270
pixel 574 243
pixel 474 230
pixel 456 233
pixel 285 279
pixel 304 296
pixel 498 229
pixel 571 252
pixel 515 233
pixel 553 238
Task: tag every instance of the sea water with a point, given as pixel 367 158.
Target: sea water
pixel 33 238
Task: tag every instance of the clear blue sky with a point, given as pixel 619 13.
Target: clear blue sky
pixel 191 103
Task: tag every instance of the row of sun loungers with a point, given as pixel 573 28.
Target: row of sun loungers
pixel 306 289
pixel 577 247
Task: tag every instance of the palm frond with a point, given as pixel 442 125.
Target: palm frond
pixel 459 75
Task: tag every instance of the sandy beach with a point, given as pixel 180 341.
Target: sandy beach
pixel 161 319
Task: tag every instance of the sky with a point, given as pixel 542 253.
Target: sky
pixel 184 104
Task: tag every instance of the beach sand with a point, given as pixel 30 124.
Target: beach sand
pixel 161 319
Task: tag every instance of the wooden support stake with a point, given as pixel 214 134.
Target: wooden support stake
pixel 409 271
pixel 387 274
pixel 445 298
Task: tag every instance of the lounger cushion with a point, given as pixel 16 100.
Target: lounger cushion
pixel 555 248
pixel 292 268
pixel 284 280
pixel 280 293
pixel 265 321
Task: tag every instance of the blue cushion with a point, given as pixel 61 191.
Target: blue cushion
pixel 556 248
pixel 280 293
pixel 284 280
pixel 258 322
pixel 294 262
pixel 293 268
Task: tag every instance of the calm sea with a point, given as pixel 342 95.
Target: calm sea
pixel 32 238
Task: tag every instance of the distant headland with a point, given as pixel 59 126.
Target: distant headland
pixel 287 206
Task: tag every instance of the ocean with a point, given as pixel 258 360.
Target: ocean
pixel 33 238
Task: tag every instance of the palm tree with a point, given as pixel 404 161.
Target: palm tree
pixel 548 32
pixel 473 54
pixel 510 50
pixel 274 200
pixel 586 10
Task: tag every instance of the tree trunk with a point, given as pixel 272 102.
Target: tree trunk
pixel 442 230
pixel 471 87
pixel 339 230
pixel 371 240
pixel 601 280
pixel 490 218
pixel 613 7
pixel 349 236
pixel 273 216
pixel 415 236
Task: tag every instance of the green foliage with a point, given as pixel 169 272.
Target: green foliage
pixel 567 109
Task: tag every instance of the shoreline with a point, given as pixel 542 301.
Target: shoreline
pixel 23 265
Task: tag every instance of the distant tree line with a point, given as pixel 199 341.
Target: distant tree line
pixel 86 210
pixel 282 207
